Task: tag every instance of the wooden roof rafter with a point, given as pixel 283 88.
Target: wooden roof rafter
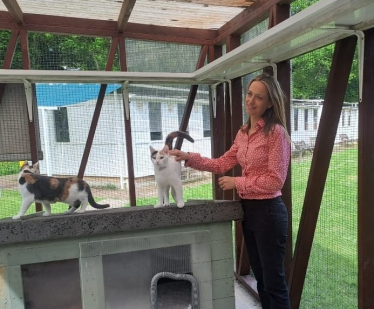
pixel 105 28
pixel 14 10
pixel 250 17
pixel 190 32
pixel 124 15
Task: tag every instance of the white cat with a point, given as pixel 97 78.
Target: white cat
pixel 168 172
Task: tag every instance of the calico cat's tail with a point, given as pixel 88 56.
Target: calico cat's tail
pixel 92 202
pixel 169 139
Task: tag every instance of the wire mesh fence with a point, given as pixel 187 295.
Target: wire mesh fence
pixel 65 113
pixel 331 280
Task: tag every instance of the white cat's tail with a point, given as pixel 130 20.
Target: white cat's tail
pixel 169 139
pixel 92 202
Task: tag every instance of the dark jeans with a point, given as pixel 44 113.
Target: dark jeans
pixel 265 233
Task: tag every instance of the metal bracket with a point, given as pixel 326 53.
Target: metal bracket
pixel 28 92
pixel 214 98
pixel 230 94
pixel 126 99
pixel 361 54
pixel 275 69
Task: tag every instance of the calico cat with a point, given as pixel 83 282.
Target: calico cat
pixel 48 190
pixel 168 171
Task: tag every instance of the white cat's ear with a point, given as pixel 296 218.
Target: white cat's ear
pixel 165 149
pixel 152 150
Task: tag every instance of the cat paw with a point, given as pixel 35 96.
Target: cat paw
pixel 158 205
pixel 16 217
pixel 46 214
pixel 180 204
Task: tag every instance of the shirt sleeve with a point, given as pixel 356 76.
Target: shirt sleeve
pixel 271 180
pixel 216 166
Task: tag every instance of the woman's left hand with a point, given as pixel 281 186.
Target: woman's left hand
pixel 226 182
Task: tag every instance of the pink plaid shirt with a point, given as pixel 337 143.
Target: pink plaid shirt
pixel 264 162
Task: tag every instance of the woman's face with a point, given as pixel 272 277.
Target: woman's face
pixel 257 100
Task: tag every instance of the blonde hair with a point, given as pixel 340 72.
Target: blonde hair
pixel 276 114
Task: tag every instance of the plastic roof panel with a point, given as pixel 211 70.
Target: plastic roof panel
pixel 203 14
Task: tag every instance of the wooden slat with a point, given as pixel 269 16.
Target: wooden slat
pixel 332 107
pixel 95 117
pixel 7 64
pixel 9 57
pixel 14 10
pixel 216 127
pixel 25 50
pixel 124 15
pixel 107 28
pixel 366 181
pixel 191 97
pixel 247 19
pixel 233 114
pixel 129 149
pixel 228 3
pixel 279 13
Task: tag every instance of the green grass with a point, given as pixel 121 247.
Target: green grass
pixel 12 200
pixel 9 168
pixel 201 192
pixel 331 280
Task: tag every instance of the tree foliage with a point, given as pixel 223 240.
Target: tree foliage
pixel 311 71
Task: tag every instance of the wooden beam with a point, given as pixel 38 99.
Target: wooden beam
pixel 332 107
pixel 107 28
pixel 191 97
pixel 234 118
pixel 9 57
pixel 247 19
pixel 279 13
pixel 31 124
pixel 11 49
pixel 25 50
pixel 233 115
pixel 366 181
pixel 14 10
pixel 216 128
pixel 284 78
pixel 129 149
pixel 96 115
pixel 124 15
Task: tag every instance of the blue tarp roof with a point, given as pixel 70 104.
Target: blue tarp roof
pixel 67 94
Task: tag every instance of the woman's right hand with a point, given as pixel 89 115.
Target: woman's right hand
pixel 179 155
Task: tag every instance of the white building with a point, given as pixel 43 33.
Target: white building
pixel 66 110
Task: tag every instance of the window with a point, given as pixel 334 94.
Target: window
pixel 343 118
pixel 206 121
pixel 181 108
pixel 306 119
pixel 62 125
pixel 295 119
pixel 315 119
pixel 155 121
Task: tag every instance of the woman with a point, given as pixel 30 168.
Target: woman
pixel 262 148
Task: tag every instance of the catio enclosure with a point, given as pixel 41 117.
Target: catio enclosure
pixel 99 92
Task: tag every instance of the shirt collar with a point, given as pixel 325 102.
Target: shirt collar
pixel 260 123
